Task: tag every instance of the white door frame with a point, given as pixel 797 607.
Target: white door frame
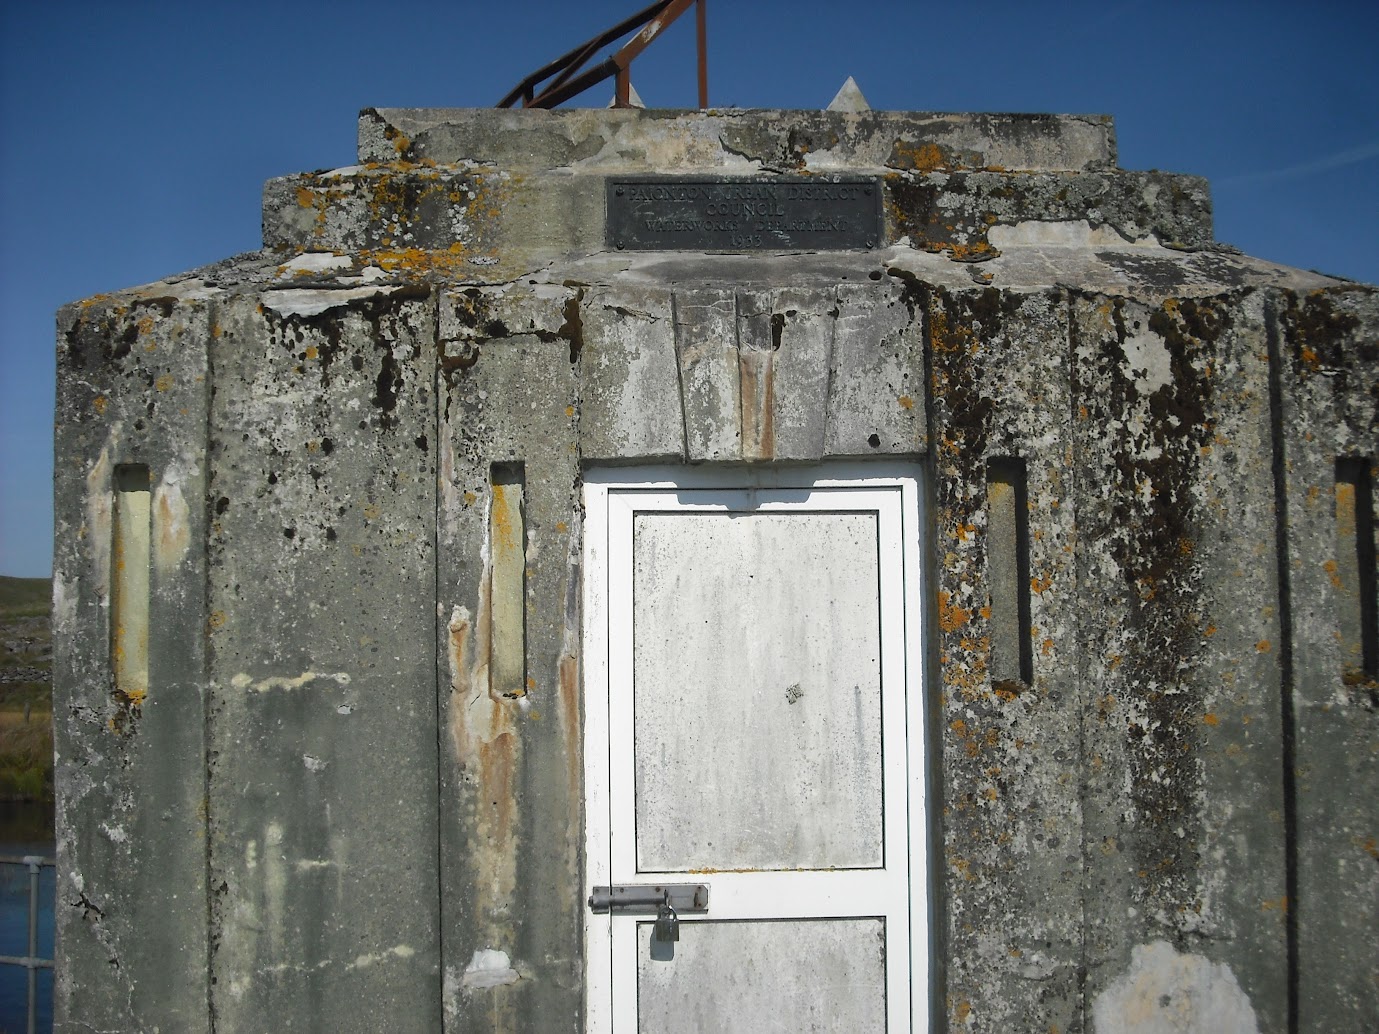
pixel 612 496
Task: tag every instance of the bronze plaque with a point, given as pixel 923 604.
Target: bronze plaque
pixel 776 213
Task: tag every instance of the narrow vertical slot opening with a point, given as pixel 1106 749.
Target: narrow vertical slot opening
pixel 129 589
pixel 508 581
pixel 1007 515
pixel 1355 575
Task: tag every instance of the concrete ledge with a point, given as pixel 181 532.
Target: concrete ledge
pixel 752 140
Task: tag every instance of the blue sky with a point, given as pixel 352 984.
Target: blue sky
pixel 135 137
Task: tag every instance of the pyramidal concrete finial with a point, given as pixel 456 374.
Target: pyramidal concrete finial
pixel 634 100
pixel 849 98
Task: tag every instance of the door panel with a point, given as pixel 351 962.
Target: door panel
pixel 786 975
pixel 754 723
pixel 756 630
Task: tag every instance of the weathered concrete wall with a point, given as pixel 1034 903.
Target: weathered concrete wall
pixel 132 758
pixel 350 796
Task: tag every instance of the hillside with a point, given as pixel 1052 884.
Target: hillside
pixel 26 691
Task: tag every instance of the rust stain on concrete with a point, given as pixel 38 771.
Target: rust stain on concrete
pixel 487 751
pixel 756 371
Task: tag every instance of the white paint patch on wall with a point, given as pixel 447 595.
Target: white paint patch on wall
pixel 246 681
pixel 1148 361
pixel 1164 992
pixel 489 968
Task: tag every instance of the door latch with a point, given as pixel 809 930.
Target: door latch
pixel 647 898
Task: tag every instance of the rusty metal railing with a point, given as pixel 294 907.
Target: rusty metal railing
pixel 567 80
pixel 31 961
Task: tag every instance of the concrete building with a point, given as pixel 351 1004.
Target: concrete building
pixel 909 536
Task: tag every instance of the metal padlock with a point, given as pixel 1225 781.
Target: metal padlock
pixel 667 927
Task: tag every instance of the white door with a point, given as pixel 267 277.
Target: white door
pixel 754 724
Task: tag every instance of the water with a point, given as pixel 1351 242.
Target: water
pixel 25 828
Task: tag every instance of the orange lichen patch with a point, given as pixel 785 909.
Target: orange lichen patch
pixel 962 1011
pixel 985 612
pixel 561 527
pixel 312 351
pixel 99 404
pixel 949 339
pixel 372 511
pixel 965 531
pixel 1039 584
pixel 1209 630
pixel 418 260
pixel 951 617
pixel 1263 646
pixel 1333 572
pixel 145 325
pixel 1369 847
pixel 216 620
pixel 305 198
pixel 922 158
pixel 470 499
pixel 1186 546
pixel 1046 648
pixel 163 383
pixel 1007 690
pixel 1310 358
pixel 216 330
pixel 1210 719
pixel 1274 905
pixel 977 251
pixel 906 402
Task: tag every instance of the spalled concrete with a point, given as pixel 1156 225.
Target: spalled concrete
pixel 350 797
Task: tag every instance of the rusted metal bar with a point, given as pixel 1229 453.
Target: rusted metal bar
pixel 568 81
pixel 701 36
pixel 571 62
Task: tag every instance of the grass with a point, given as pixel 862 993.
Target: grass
pixel 26 690
pixel 25 597
pixel 26 759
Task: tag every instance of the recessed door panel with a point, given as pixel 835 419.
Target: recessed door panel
pixel 757 690
pixel 796 975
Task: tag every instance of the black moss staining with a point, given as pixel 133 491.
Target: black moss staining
pixel 289 533
pixel 421 442
pixel 327 446
pixel 221 505
pixel 330 534
pixel 777 330
pixel 572 330
pixel 385 388
pixel 1322 335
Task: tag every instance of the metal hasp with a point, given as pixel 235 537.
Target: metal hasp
pixel 567 81
pixel 647 899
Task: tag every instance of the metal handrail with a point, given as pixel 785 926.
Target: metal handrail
pixel 31 961
pixel 567 83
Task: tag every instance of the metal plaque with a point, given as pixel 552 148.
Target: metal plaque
pixel 777 213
